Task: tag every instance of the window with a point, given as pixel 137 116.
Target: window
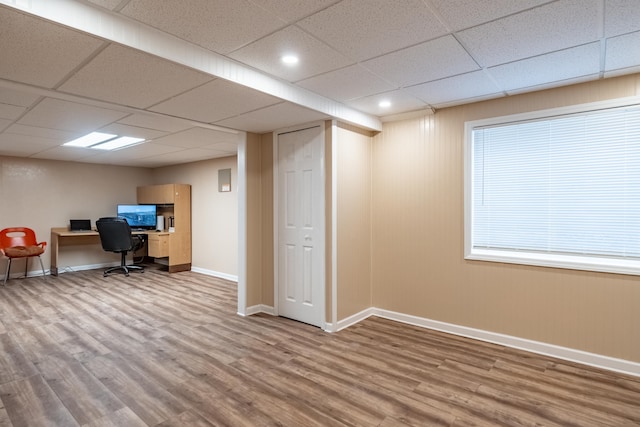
pixel 557 188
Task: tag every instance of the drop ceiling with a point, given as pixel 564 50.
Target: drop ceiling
pixel 192 77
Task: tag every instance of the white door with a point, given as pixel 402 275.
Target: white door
pixel 300 216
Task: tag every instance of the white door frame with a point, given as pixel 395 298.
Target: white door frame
pixel 322 302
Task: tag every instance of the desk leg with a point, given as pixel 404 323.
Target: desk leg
pixel 53 269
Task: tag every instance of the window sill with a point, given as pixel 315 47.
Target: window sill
pixel 572 262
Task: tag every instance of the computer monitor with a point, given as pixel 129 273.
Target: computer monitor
pixel 139 216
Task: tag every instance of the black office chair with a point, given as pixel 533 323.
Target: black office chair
pixel 115 236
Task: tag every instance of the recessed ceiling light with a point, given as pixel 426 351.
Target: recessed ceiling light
pixel 114 144
pixel 103 141
pixel 384 104
pixel 290 59
pixel 90 139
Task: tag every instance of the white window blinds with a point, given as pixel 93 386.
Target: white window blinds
pixel 559 185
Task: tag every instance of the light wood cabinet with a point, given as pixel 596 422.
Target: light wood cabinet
pixel 158 245
pixel 173 200
pixel 159 194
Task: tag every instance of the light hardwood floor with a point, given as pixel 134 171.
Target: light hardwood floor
pixel 168 350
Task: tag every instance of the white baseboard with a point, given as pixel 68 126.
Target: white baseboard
pixel 67 269
pixel 260 308
pixel 217 274
pixel 329 327
pixel 70 269
pixel 356 318
pixel 569 354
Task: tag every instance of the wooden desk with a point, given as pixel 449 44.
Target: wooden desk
pixel 158 244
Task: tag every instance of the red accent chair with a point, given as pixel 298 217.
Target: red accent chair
pixel 20 242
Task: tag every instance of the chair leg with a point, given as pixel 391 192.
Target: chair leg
pixel 42 265
pixel 123 266
pixel 117 268
pixel 130 268
pixel 6 276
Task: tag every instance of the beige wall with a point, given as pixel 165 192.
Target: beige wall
pixel 214 215
pixel 42 194
pixel 417 222
pixel 353 223
pixel 259 164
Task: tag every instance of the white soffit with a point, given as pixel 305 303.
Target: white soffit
pixel 108 25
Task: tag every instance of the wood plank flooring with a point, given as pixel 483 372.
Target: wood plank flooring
pixel 166 350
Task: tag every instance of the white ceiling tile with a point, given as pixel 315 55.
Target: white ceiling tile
pixel 132 156
pixel 274 117
pixel 460 14
pixel 621 16
pixel 347 83
pixel 41 132
pixel 293 10
pixel 70 116
pixel 134 131
pixel 23 145
pixel 554 84
pixel 107 4
pixel 182 156
pixel 362 29
pixel 196 138
pixel 548 28
pixel 62 153
pixel 40 52
pixel 214 101
pixel 401 101
pixel 199 154
pixel 623 51
pixel 428 61
pixel 465 86
pixel 4 123
pixel 146 149
pixel 624 72
pixel 567 64
pixel 229 147
pixel 15 97
pixel 129 77
pixel 12 112
pixel 155 121
pixel 219 25
pixel 452 103
pixel 315 57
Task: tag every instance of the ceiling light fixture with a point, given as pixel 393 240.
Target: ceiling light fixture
pixel 114 144
pixel 290 59
pixel 384 104
pixel 90 139
pixel 103 141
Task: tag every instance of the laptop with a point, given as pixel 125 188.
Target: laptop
pixel 79 225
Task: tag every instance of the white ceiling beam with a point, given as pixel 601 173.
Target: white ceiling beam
pixel 120 29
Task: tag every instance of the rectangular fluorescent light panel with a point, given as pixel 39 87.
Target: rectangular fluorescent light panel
pixel 103 141
pixel 90 139
pixel 114 144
